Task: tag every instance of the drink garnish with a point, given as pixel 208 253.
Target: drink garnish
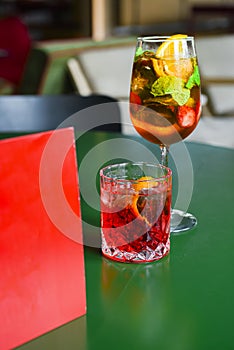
pixel 162 82
pixel 170 85
pixel 194 79
pixel 134 98
pixel 165 62
pixel 139 201
pixel 144 182
pixel 169 49
pixel 186 116
pixel 139 51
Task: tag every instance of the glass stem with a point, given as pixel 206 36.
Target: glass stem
pixel 164 154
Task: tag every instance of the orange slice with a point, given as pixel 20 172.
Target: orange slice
pixel 170 48
pixel 144 182
pixel 170 59
pixel 138 200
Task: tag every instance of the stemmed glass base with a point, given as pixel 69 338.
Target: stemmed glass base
pixel 181 221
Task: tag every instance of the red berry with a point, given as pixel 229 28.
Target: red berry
pixel 186 116
pixel 134 98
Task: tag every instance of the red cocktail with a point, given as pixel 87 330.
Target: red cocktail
pixel 135 212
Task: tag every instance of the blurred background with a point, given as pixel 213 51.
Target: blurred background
pixel 52 47
pixel 55 19
pixel 24 24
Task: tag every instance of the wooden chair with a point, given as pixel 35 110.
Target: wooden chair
pixel 105 69
pixel 215 58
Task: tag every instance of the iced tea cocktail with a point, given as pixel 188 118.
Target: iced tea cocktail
pixel 135 211
pixel 165 89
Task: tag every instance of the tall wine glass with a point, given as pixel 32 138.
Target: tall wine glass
pixel 165 95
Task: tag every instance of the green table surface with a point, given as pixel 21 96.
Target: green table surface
pixel 183 302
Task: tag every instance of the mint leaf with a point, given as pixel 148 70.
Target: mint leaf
pixel 194 79
pixel 181 97
pixel 166 85
pixel 170 85
pixel 139 51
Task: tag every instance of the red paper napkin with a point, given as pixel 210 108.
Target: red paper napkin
pixel 42 279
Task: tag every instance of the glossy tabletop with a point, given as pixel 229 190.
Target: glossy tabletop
pixel 185 301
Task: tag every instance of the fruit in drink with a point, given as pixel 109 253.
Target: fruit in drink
pixel 165 93
pixel 136 225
